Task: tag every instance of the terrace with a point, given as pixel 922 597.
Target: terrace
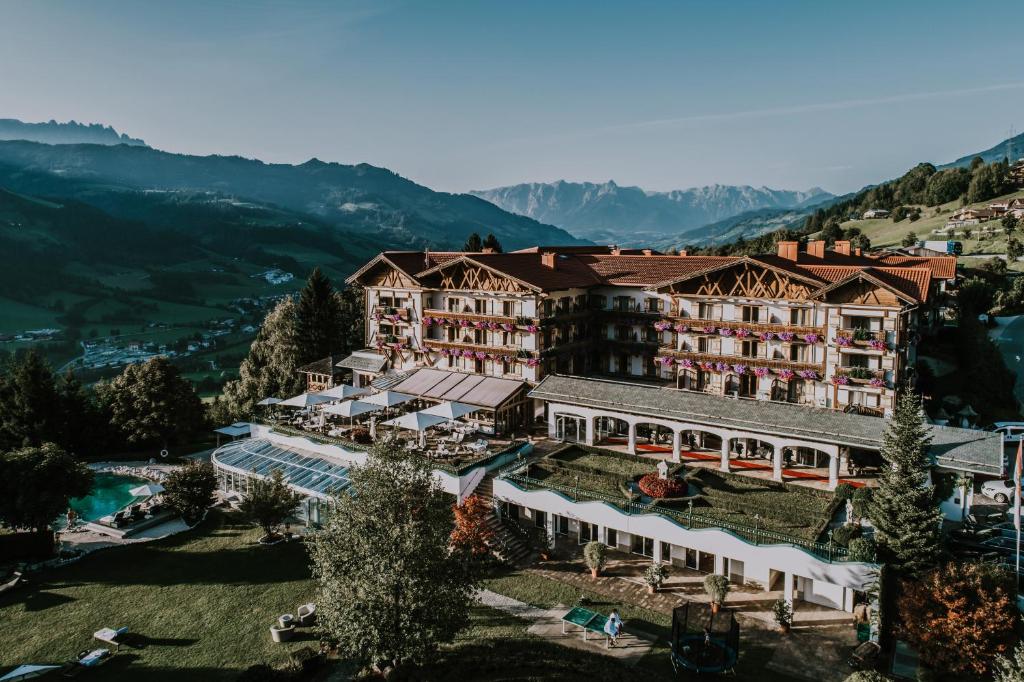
pixel 759 511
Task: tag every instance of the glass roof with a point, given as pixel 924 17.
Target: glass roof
pixel 316 475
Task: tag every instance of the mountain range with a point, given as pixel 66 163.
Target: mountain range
pixel 72 132
pixel 612 213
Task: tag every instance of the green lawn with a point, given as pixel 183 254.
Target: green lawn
pixel 546 593
pixel 203 601
pixel 611 462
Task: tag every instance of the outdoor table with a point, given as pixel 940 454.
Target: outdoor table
pixel 589 621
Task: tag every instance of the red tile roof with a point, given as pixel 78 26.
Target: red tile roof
pixel 942 267
pixel 625 270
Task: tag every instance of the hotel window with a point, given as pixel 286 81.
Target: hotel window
pixel 479 336
pixel 858 322
pixel 612 538
pixel 588 532
pixel 540 519
pixel 641 545
pixel 452 333
pixel 800 316
pixel 452 304
pixel 749 349
pixel 707 344
pixel 653 334
pixel 386 330
pixel 598 301
pixel 654 305
pixel 480 306
pixel 799 352
pixel 562 525
pixel 549 307
pixel 508 308
pixel 751 313
pixel 706 311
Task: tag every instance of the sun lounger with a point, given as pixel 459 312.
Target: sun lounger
pixel 111 636
pixel 11 583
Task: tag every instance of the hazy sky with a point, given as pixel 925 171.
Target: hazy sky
pixel 465 95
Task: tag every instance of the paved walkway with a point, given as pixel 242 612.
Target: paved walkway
pixel 547 624
pixel 816 649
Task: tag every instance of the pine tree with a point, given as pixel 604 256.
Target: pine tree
pixel 269 369
pixel 903 509
pixel 473 243
pixel 319 319
pixel 29 405
pixel 491 242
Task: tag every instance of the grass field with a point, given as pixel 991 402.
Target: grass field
pixel 201 604
pixel 885 232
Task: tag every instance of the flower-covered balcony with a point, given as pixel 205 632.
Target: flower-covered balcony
pixel 738 364
pixel 862 339
pixel 859 376
pixel 784 332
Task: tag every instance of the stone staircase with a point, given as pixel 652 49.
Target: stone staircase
pixel 510 543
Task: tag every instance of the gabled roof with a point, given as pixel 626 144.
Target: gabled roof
pixel 942 267
pixel 780 265
pixel 321 366
pixel 528 269
pixel 409 263
pixel 640 270
pixel 909 284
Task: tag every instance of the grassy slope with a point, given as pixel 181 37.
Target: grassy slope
pixel 204 602
pixel 887 233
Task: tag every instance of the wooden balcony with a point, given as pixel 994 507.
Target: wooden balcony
pixel 383 312
pixel 479 317
pixel 697 326
pixel 514 351
pixel 860 376
pixel 741 360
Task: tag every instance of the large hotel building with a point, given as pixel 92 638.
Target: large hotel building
pixel 828 328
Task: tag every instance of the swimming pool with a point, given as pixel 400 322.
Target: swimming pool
pixel 109 494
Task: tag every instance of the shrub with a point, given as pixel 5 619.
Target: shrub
pixel 717 587
pixel 861 549
pixel 782 612
pixel 595 554
pixel 844 491
pixel 843 534
pixel 861 502
pixel 655 486
pixel 188 490
pixel 866 676
pixel 362 436
pixel 656 574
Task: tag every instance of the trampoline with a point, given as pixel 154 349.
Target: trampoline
pixel 704 642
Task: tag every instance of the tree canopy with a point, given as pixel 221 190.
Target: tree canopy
pixel 151 404
pixel 36 484
pixel 319 319
pixel 29 403
pixel 189 489
pixel 491 242
pixel 391 586
pixel 473 243
pixel 270 502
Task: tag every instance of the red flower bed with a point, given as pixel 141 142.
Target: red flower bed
pixel 653 486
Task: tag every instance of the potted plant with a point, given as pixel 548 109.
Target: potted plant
pixel 595 554
pixel 717 587
pixel 655 575
pixel 783 614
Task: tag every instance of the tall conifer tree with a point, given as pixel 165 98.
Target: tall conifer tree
pixel 320 318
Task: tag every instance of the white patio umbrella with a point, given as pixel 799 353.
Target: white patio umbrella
pixel 27 672
pixel 350 408
pixel 416 421
pixel 342 391
pixel 148 490
pixel 387 398
pixel 451 410
pixel 305 400
pixel 266 402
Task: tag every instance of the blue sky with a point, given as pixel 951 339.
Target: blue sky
pixel 464 95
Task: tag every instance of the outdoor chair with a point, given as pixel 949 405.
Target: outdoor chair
pixel 306 615
pixel 120 519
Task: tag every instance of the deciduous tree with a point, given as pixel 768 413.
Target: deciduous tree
pixel 960 616
pixel 391 585
pixel 471 530
pixel 189 489
pixel 270 502
pixel 36 484
pixel 152 404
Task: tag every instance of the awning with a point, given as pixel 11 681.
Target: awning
pixel 234 430
pixel 471 389
pixel 364 361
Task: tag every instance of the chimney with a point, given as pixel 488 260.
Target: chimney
pixel 857 251
pixel 788 250
pixel 616 251
pixel 647 252
pixel 682 253
pixel 487 249
pixel 549 260
pixel 816 248
pixel 842 247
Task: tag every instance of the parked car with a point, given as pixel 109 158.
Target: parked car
pixel 1000 491
pixel 1012 432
